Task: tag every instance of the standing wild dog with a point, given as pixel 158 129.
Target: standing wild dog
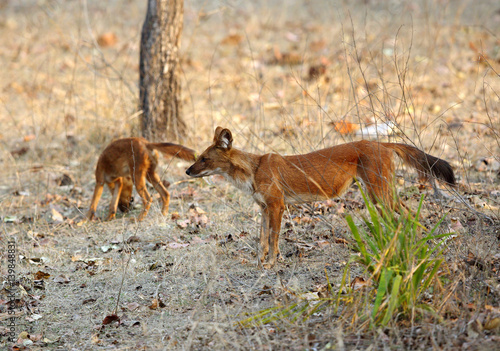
pixel 274 180
pixel 130 161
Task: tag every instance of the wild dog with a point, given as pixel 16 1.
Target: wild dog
pixel 274 180
pixel 130 161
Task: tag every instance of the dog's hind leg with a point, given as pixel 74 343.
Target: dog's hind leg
pixel 140 185
pixel 154 178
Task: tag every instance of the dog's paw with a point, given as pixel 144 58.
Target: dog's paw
pixel 267 265
pixel 91 216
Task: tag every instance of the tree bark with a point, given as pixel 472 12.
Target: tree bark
pixel 159 83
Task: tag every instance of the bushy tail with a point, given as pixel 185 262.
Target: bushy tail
pixel 424 163
pixel 175 150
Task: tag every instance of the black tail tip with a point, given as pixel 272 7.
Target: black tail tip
pixel 445 172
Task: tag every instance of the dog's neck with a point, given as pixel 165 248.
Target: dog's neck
pixel 242 170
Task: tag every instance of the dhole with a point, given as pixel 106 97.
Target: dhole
pixel 130 161
pixel 275 180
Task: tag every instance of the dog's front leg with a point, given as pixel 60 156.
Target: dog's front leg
pixel 264 234
pixel 275 211
pixel 116 188
pixel 95 200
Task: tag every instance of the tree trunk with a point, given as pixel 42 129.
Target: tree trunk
pixel 159 83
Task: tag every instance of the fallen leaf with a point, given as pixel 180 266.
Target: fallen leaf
pixel 338 240
pixel 309 296
pixel 154 304
pixel 272 106
pixel 23 335
pixel 105 248
pixel 21 193
pixel 27 342
pixel 19 152
pixel 107 39
pixel 111 318
pixel 266 290
pixel 472 260
pixel 62 279
pixel 177 245
pixel 33 317
pixel 286 58
pixel 456 226
pixel 487 164
pixel 322 243
pixel 198 240
pixel 132 306
pixel 39 284
pixel 10 219
pixel 36 337
pixel 183 224
pixel 95 339
pixel 345 127
pixel 38 260
pixel 292 37
pixel 133 239
pixel 317 45
pixel 315 71
pixel 359 283
pixel 492 323
pixel 188 191
pixel 76 258
pixel 56 216
pixel 232 39
pixel 48 341
pixel 379 129
pixel 64 180
pixel 471 306
pixel 41 275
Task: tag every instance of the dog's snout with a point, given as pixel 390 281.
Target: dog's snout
pixel 188 171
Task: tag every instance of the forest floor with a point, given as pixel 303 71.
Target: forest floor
pixel 285 77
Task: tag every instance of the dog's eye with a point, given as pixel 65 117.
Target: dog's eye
pixel 203 159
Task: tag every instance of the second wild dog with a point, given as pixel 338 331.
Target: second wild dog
pixel 130 161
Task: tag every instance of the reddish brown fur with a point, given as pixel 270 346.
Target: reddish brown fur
pixel 274 180
pixel 130 161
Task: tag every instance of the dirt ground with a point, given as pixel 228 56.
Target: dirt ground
pixel 286 77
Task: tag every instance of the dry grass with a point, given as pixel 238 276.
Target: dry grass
pixel 429 67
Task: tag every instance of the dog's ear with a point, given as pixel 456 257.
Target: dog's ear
pixel 218 130
pixel 223 138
